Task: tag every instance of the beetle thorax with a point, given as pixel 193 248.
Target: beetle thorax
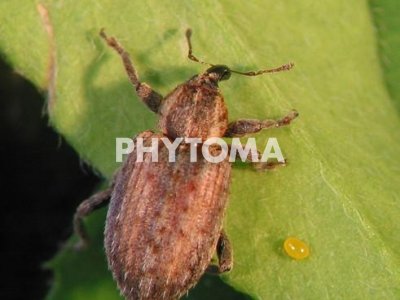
pixel 194 109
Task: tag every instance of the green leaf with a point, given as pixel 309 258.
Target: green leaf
pixel 386 19
pixel 339 192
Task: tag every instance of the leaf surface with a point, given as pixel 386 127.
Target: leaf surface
pixel 340 190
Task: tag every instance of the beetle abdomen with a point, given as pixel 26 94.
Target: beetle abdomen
pixel 164 222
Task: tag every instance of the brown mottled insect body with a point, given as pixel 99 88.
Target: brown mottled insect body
pixel 195 109
pixel 165 218
pixel 159 237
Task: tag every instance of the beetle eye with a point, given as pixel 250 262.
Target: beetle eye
pixel 226 75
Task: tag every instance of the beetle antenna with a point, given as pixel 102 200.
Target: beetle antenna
pixel 285 67
pixel 190 52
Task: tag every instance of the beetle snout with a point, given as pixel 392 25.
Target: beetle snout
pixel 219 72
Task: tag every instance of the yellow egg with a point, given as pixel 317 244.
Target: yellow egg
pixel 296 248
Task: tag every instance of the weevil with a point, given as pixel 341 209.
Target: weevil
pixel 164 221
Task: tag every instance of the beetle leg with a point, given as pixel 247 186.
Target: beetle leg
pixel 247 126
pixel 84 209
pixel 260 165
pixel 150 97
pixel 224 253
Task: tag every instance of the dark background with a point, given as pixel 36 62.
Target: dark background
pixel 42 182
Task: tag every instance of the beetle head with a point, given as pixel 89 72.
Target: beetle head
pixel 219 72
